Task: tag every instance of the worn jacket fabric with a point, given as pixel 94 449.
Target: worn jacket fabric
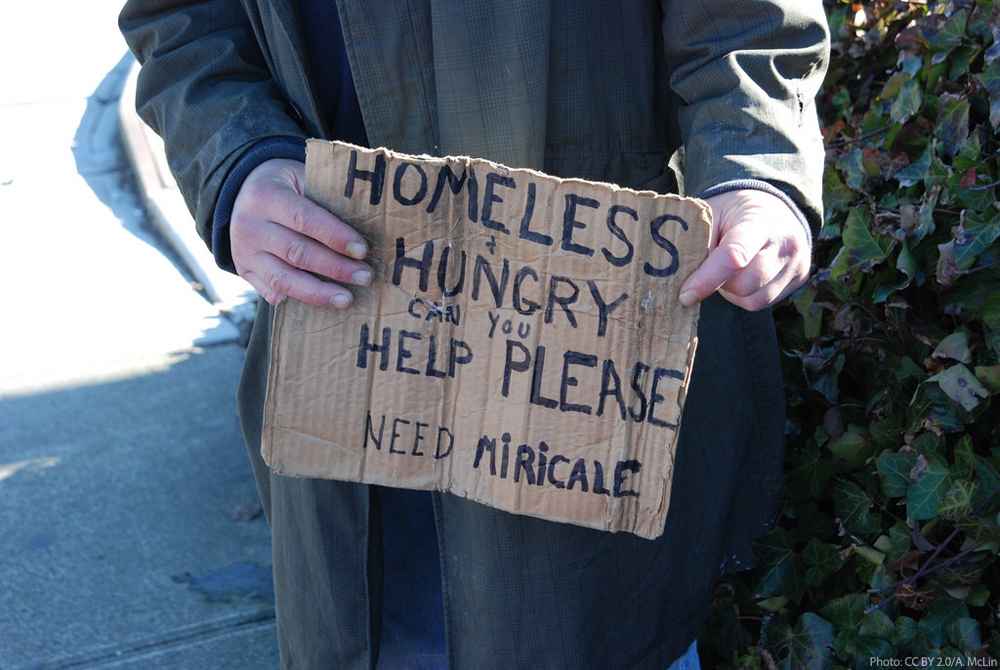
pixel 582 88
pixel 676 95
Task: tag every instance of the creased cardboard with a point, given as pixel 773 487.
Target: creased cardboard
pixel 522 345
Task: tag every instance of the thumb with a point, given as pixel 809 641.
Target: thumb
pixel 740 243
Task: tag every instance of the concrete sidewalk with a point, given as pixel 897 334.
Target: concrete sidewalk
pixel 130 536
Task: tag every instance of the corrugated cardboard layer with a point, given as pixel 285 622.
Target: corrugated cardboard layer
pixel 522 345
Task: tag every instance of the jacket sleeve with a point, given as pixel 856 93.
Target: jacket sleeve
pixel 747 73
pixel 205 89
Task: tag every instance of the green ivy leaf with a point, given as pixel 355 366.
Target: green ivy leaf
pixel 925 215
pixel 811 476
pixel 907 103
pixel 855 507
pixel 775 604
pixel 882 579
pixel 812 314
pixel 917 170
pixel 961 60
pixel 957 502
pixel 860 250
pixel 877 624
pixel 894 471
pixel 906 630
pixel 979 596
pixel 852 447
pixel 967 173
pixel 910 63
pixel 821 560
pixel 836 194
pixel 973 238
pixel 865 648
pixel 949 36
pixel 807 645
pixel 952 127
pixel 939 615
pixel 988 486
pixel 853 167
pixel 965 459
pixel 779 564
pixel 893 86
pixel 990 80
pixel 991 311
pixel 900 541
pixel 924 495
pixel 873 556
pixel 847 611
pixel 989 375
pixel 905 263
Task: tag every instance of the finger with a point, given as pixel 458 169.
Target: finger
pixel 762 269
pixel 736 250
pixel 305 253
pixel 302 215
pixel 263 290
pixel 785 282
pixel 283 279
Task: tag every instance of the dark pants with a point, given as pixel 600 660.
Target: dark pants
pixel 522 592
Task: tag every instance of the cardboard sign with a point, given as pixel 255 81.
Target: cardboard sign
pixel 522 344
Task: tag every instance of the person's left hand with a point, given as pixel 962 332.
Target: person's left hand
pixel 759 252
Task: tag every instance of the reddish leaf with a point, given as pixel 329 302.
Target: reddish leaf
pixel 969 178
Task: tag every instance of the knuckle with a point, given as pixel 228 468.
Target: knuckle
pixel 295 252
pixel 736 256
pixel 280 282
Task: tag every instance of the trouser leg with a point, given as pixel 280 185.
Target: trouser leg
pixel 326 546
pixel 326 550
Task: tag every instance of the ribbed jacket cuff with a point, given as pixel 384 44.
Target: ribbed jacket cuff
pixel 293 148
pixel 767 187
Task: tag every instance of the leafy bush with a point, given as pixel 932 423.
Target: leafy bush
pixel 888 540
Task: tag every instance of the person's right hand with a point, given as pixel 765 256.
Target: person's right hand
pixel 278 237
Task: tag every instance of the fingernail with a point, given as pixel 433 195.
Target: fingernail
pixel 341 300
pixel 357 250
pixel 688 298
pixel 362 278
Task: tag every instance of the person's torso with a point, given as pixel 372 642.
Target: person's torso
pixel 574 88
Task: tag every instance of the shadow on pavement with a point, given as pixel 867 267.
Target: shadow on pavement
pixel 121 526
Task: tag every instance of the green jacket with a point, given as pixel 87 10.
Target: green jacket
pixel 578 88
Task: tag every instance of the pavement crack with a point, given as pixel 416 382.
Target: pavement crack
pixel 176 638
